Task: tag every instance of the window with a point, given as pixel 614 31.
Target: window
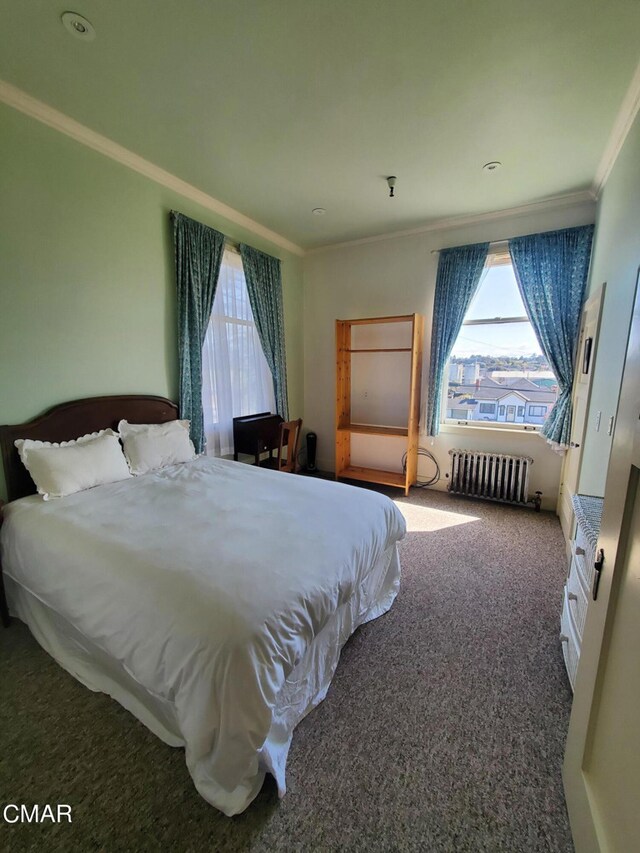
pixel 497 357
pixel 236 379
pixel 459 414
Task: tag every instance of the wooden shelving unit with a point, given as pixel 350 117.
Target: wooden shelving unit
pixel 413 331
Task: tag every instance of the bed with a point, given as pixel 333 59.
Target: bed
pixel 211 598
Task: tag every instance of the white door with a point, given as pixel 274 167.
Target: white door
pixel 589 329
pixel 602 759
pixel 511 414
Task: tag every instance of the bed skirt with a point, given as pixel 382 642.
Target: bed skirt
pixel 305 687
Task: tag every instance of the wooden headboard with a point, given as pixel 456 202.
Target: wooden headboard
pixel 71 420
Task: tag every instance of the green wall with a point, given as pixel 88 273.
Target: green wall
pixel 616 257
pixel 87 286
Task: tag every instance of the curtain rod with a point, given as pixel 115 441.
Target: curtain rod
pixel 494 246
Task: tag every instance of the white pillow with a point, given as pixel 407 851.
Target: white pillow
pixel 151 446
pixel 63 468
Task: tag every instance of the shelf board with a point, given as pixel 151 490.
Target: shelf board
pixel 372 429
pixel 382 349
pixel 373 475
pixel 376 321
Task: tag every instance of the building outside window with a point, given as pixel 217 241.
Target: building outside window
pixel 497 372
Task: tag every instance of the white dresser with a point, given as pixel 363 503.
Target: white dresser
pixel 577 590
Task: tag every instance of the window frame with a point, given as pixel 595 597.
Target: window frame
pixel 232 258
pixel 498 256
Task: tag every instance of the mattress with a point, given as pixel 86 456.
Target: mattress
pixel 211 599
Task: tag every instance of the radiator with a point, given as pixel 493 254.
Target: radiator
pixel 494 476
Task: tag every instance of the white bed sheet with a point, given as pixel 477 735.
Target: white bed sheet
pixel 211 599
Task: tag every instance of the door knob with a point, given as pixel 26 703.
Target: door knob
pixel 574 444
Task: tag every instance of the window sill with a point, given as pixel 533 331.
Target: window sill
pixel 461 428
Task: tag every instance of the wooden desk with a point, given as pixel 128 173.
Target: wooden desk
pixel 256 434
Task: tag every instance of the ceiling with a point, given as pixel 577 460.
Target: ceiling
pixel 278 107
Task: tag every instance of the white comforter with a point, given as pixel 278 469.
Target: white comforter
pixel 207 582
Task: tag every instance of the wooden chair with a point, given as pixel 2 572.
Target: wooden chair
pixel 289 439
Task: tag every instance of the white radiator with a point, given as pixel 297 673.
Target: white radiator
pixel 494 476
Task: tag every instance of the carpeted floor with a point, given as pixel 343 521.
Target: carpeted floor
pixel 443 730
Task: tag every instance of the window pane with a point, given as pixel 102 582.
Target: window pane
pixel 498 342
pixel 497 372
pixel 497 295
pixel 236 379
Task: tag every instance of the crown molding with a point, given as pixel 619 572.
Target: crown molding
pixel 27 104
pixel 20 100
pixel 552 203
pixel 621 127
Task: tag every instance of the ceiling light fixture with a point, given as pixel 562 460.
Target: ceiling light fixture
pixel 492 166
pixel 391 183
pixel 78 26
pixel 318 211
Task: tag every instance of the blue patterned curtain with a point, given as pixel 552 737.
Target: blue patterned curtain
pixel 198 254
pixel 551 270
pixel 264 283
pixel 459 272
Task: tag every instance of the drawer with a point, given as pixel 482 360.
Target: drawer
pixel 583 561
pixel 569 642
pixel 584 545
pixel 578 598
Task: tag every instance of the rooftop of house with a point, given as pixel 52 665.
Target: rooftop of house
pixel 487 389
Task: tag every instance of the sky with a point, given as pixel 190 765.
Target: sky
pixel 497 296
